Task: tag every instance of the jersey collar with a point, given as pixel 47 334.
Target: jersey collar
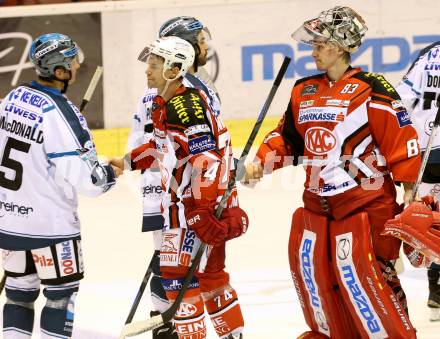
pixel 350 71
pixel 52 90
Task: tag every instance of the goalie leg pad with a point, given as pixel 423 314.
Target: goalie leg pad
pixel 312 335
pixel 376 310
pixel 313 277
pixel 391 277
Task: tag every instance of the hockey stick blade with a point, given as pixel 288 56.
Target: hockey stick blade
pixel 91 88
pixel 139 327
pixel 150 324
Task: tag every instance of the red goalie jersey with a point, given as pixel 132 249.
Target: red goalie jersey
pixel 193 151
pixel 345 134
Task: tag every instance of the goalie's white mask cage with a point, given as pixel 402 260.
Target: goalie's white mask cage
pixel 339 25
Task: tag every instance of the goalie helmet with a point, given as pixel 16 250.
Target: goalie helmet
pixel 340 25
pixel 174 51
pixel 50 51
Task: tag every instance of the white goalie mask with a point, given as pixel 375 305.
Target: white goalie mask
pixel 340 25
pixel 174 51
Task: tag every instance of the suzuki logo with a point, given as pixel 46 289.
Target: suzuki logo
pixel 319 140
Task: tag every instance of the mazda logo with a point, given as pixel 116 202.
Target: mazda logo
pixel 343 249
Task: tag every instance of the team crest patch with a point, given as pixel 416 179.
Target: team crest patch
pixel 309 90
pixel 319 140
pixel 403 118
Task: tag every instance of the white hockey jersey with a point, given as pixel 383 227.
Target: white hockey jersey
pixel 142 132
pixel 419 90
pixel 47 155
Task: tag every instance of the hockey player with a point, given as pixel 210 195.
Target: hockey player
pixel 191 146
pixel 350 131
pixel 47 156
pixel 193 31
pixel 420 90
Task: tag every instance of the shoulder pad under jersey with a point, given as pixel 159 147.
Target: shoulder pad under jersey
pixel 186 109
pixel 378 84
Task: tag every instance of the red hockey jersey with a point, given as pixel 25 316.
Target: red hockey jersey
pixel 193 150
pixel 345 133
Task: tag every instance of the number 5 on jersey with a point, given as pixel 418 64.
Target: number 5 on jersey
pixel 14 165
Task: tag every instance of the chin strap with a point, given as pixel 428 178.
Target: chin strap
pixel 165 88
pixel 65 85
pixel 64 81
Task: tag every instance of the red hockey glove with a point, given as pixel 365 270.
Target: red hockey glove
pixel 419 227
pixel 237 221
pixel 203 222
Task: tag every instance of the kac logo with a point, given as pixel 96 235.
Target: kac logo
pixel 186 310
pixel 319 140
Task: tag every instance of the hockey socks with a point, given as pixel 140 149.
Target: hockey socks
pixel 190 318
pixel 224 309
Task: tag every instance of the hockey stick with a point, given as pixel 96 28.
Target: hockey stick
pixel 158 320
pixel 2 283
pixel 426 154
pixel 91 88
pixel 141 290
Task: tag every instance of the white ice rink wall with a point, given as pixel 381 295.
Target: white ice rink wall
pixel 250 39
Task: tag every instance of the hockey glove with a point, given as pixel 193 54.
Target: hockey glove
pixel 419 227
pixel 237 221
pixel 203 222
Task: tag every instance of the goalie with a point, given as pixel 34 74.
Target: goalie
pixel 350 131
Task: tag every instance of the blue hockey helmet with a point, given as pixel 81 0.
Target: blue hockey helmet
pixel 52 50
